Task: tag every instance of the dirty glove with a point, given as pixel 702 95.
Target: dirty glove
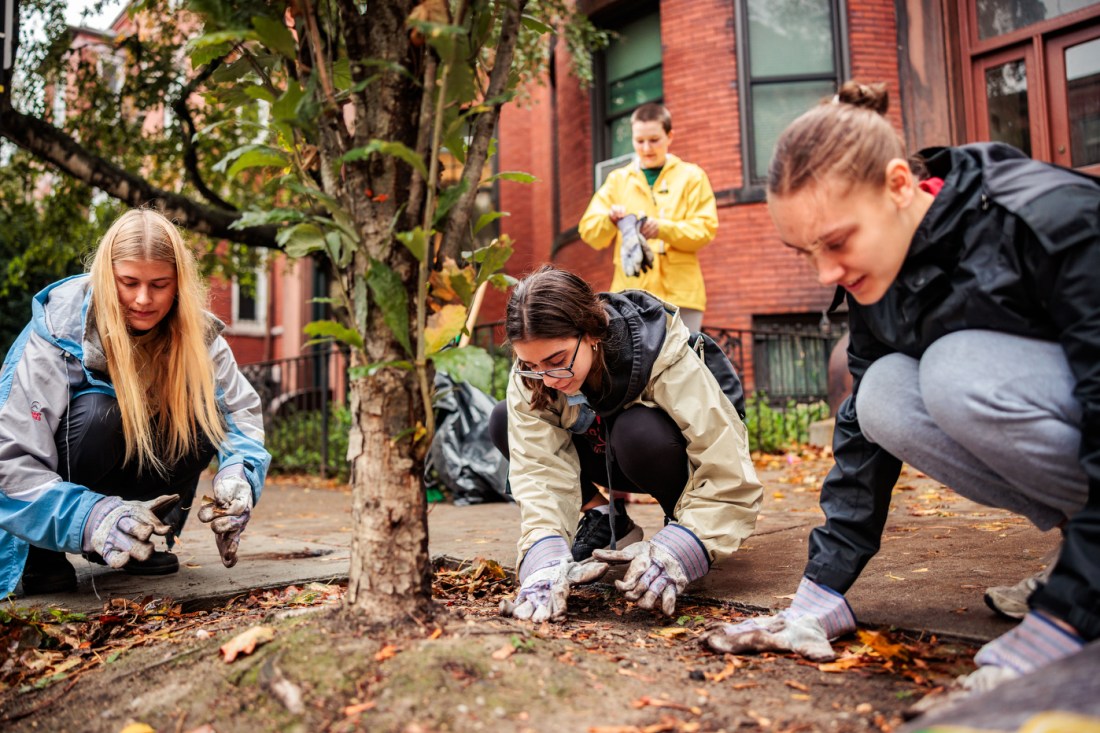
pixel 229 512
pixel 660 568
pixel 634 251
pixel 817 614
pixel 120 530
pixel 546 576
pixel 1035 643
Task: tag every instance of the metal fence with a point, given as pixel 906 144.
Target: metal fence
pixel 305 397
pixel 300 396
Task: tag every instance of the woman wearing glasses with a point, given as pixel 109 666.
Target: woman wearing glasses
pixel 611 389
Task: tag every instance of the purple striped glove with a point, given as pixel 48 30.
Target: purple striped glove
pixel 817 614
pixel 546 576
pixel 660 568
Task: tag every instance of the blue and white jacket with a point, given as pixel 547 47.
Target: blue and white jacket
pixel 58 357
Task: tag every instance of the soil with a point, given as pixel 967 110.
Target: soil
pixel 609 668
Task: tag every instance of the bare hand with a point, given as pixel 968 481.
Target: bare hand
pixel 618 211
pixel 650 229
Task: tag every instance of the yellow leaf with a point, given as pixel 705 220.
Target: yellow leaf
pixel 246 643
pixel 840 665
pixel 387 652
pixel 881 645
pixel 443 327
pixel 138 728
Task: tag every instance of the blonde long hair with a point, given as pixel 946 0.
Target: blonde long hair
pixel 161 428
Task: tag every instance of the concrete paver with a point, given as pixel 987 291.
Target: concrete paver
pixel 939 553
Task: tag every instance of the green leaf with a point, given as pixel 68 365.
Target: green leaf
pixel 275 35
pixel 396 149
pixel 369 370
pixel 202 56
pixel 517 176
pixel 443 327
pixel 286 108
pixel 232 71
pixel 259 159
pixel 273 216
pixel 492 258
pixel 331 330
pixel 447 199
pixel 301 239
pixel 502 281
pixel 416 241
pixel 258 91
pixel 389 294
pixel 219 39
pixel 488 218
pixel 467 364
pixel 341 74
pixel 534 24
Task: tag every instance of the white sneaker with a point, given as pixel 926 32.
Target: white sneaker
pixel 1010 601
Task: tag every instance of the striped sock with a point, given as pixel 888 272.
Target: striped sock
pixel 826 605
pixel 1035 643
pixel 681 543
pixel 544 553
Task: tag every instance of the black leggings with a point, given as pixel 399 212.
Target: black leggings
pixel 649 454
pixel 91 449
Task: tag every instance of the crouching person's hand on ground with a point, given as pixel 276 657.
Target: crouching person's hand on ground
pixel 817 615
pixel 660 568
pixel 546 575
pixel 230 511
pixel 120 530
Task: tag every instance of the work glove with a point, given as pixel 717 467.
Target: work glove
pixel 547 574
pixel 1035 643
pixel 817 614
pixel 119 531
pixel 634 251
pixel 660 568
pixel 229 512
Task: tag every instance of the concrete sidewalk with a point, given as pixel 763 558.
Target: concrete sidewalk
pixel 938 555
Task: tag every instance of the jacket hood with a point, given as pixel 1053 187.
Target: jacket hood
pixel 637 323
pixel 62 313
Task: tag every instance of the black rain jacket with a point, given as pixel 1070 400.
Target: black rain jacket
pixel 1009 244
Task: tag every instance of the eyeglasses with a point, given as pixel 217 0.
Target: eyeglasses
pixel 557 372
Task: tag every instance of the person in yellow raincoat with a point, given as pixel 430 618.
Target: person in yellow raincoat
pixel 681 217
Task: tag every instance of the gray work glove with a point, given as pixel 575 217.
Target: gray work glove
pixel 547 575
pixel 634 252
pixel 660 568
pixel 816 615
pixel 120 530
pixel 230 511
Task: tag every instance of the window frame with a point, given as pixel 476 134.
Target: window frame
pixel 746 82
pixel 258 325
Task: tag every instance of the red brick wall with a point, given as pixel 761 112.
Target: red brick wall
pixel 747 271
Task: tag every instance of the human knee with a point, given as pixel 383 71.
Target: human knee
pixel 646 435
pixel 498 427
pixel 882 399
pixel 90 436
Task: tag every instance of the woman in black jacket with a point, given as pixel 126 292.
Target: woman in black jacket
pixel 975 355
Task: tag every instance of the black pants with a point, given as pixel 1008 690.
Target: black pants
pixel 91 449
pixel 649 454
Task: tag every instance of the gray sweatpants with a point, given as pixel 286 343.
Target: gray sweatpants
pixel 989 414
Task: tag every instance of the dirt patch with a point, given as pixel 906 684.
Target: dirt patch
pixel 609 668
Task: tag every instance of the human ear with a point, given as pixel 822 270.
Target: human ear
pixel 901 186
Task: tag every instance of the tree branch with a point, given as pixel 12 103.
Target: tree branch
pixel 190 157
pixel 55 147
pixel 458 223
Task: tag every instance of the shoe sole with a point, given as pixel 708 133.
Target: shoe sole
pixel 167 570
pixel 995 608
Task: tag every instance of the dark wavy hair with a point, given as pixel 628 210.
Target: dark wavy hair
pixel 551 303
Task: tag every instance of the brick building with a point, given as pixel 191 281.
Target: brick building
pixel 734 72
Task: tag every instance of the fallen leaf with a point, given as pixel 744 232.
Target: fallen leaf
pixel 389 651
pixel 744 685
pixel 796 685
pixel 670 632
pixel 840 665
pixel 138 728
pixel 921 570
pixel 504 652
pixel 891 576
pixel 647 701
pixel 246 643
pixel 436 634
pixel 352 710
pixel 724 674
pixel 631 673
pixel 881 644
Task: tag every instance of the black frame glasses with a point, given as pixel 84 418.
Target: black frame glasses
pixel 565 372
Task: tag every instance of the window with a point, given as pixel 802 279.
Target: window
pixel 629 75
pixel 250 304
pixel 790 53
pixel 1034 79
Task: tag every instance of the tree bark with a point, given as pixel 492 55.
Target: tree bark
pixel 55 147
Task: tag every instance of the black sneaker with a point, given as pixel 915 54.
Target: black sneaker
pixel 47 571
pixel 594 532
pixel 159 563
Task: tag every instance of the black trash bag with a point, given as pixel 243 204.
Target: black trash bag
pixel 462 457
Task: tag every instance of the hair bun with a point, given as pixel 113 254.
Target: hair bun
pixel 866 96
